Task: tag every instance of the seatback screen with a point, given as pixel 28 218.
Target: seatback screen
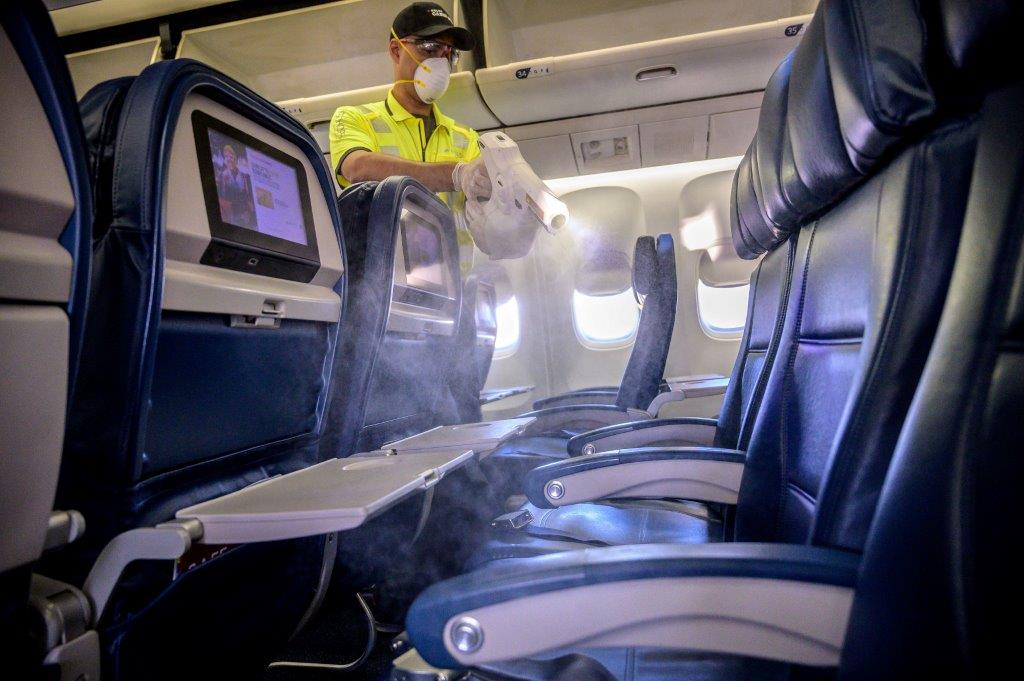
pixel 257 197
pixel 255 191
pixel 423 249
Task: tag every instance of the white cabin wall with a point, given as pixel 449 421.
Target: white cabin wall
pixel 530 364
pixel 545 295
pixel 573 364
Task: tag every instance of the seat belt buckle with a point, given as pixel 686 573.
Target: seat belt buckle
pixel 515 520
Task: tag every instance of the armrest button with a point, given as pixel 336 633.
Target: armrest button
pixel 467 636
pixel 554 490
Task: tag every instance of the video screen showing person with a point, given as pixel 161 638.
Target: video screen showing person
pixel 424 253
pixel 255 191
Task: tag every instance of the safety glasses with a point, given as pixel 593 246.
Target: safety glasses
pixel 434 48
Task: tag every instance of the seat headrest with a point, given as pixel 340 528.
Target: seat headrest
pixel 645 265
pixel 836 108
pixel 100 109
pixel 653 262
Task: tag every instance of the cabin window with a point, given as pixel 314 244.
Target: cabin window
pixel 507 338
pixel 722 309
pixel 605 322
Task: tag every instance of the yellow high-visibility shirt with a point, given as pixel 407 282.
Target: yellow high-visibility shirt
pixel 387 128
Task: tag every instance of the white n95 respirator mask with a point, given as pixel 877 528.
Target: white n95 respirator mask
pixel 431 77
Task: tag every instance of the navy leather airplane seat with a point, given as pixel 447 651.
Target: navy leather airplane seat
pixel 837 306
pixel 627 521
pixel 45 218
pixel 936 587
pixel 207 358
pixel 399 336
pixel 870 161
pixel 563 416
pixel 477 332
pixel 654 284
pixel 871 267
pixel 100 109
pixel 842 332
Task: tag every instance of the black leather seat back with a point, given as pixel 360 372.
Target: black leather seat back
pixel 477 333
pixel 100 109
pixel 198 379
pixel 938 590
pixel 766 308
pixel 654 279
pixel 185 380
pixel 390 383
pixel 875 174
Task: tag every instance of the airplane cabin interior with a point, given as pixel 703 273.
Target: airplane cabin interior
pixel 719 379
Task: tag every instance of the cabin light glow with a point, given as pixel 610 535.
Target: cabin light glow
pixel 605 322
pixel 654 174
pixel 722 309
pixel 506 341
pixel 698 232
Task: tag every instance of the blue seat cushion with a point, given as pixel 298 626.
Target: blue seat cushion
pixel 534 446
pixel 507 466
pixel 603 524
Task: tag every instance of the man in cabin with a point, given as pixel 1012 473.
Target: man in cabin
pixel 234 188
pixel 406 134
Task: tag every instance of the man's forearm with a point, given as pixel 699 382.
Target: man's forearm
pixel 361 166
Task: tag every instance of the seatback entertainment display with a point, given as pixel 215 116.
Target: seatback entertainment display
pixel 254 191
pixel 257 201
pixel 423 249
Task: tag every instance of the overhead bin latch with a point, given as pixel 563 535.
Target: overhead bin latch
pixel 655 72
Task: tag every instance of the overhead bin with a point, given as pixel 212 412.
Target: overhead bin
pixel 638 54
pixel 127 59
pixel 314 59
pixel 462 102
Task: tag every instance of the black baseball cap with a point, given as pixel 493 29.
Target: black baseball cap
pixel 428 19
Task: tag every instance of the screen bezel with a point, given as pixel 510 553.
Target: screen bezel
pixel 404 291
pixel 419 283
pixel 251 239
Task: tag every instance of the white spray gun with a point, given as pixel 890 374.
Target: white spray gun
pixel 505 225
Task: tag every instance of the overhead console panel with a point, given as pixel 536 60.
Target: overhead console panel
pixel 636 54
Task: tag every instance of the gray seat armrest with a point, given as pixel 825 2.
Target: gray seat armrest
pixel 683 431
pixel 775 601
pixel 707 474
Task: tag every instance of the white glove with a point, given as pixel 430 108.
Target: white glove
pixel 471 178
